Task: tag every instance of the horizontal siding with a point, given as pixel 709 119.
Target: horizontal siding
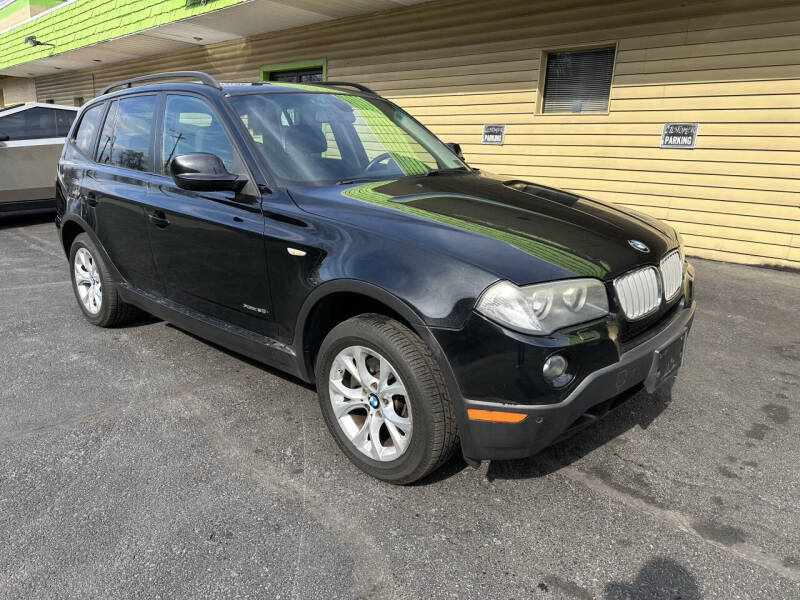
pixel 731 67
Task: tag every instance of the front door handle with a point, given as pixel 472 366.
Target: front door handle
pixel 158 218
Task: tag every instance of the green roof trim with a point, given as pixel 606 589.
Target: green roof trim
pixel 86 22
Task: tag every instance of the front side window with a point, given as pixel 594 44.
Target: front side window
pixel 87 129
pixel 325 138
pixel 126 137
pixel 578 82
pixel 190 126
pixel 37 123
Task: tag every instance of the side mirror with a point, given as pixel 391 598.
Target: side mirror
pixel 455 148
pixel 4 137
pixel 204 172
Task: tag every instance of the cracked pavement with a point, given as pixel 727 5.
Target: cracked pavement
pixel 144 462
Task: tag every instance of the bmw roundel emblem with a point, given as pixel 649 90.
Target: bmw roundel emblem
pixel 640 246
pixel 373 401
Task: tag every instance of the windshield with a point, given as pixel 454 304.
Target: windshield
pixel 322 138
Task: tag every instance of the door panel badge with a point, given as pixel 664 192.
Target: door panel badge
pixel 257 309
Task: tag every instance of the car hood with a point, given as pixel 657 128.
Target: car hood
pixel 519 231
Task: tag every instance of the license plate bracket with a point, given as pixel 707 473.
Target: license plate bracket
pixel 666 362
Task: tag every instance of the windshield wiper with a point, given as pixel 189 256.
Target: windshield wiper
pixel 357 180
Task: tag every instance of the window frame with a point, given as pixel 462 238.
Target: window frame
pixel 545 55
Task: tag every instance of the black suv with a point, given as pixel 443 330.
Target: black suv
pixel 322 230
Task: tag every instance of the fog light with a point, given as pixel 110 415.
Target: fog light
pixel 555 371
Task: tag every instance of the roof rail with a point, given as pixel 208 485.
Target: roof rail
pixel 357 86
pixel 205 78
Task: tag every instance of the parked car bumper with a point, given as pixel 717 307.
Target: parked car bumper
pixel 506 383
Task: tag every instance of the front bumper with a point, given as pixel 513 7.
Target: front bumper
pixel 597 394
pixel 611 373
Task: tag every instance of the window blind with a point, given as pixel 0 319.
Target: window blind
pixel 578 81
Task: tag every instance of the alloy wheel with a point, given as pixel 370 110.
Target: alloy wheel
pixel 370 403
pixel 87 281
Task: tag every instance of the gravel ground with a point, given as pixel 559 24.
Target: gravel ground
pixel 143 462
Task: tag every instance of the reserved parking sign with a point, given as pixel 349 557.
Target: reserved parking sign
pixel 679 135
pixel 493 134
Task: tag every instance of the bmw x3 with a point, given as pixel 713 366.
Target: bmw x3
pixel 322 230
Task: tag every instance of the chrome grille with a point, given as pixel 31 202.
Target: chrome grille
pixel 639 292
pixel 672 274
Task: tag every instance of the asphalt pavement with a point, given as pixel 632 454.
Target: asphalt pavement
pixel 142 462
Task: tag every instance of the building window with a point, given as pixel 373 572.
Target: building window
pixel 299 76
pixel 308 71
pixel 578 82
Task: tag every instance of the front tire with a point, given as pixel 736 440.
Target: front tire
pixel 94 287
pixel 384 400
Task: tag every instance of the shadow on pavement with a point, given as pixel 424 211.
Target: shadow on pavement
pixel 642 409
pixel 13 221
pixel 250 361
pixel 660 578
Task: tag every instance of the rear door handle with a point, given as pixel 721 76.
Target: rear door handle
pixel 158 218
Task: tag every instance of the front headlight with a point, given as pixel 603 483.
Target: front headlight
pixel 544 307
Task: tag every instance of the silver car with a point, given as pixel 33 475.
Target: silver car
pixel 31 138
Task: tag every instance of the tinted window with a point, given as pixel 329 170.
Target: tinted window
pixel 190 125
pixel 125 140
pixel 84 137
pixel 105 146
pixel 320 138
pixel 37 123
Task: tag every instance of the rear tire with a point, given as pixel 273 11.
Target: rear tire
pixel 400 426
pixel 94 287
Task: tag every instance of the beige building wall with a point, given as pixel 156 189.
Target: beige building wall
pixel 731 67
pixel 16 90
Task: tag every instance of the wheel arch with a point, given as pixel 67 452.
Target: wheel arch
pixel 71 227
pixel 69 231
pixel 336 301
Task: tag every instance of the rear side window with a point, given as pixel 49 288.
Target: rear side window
pixel 190 125
pixel 126 137
pixel 37 123
pixel 87 129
